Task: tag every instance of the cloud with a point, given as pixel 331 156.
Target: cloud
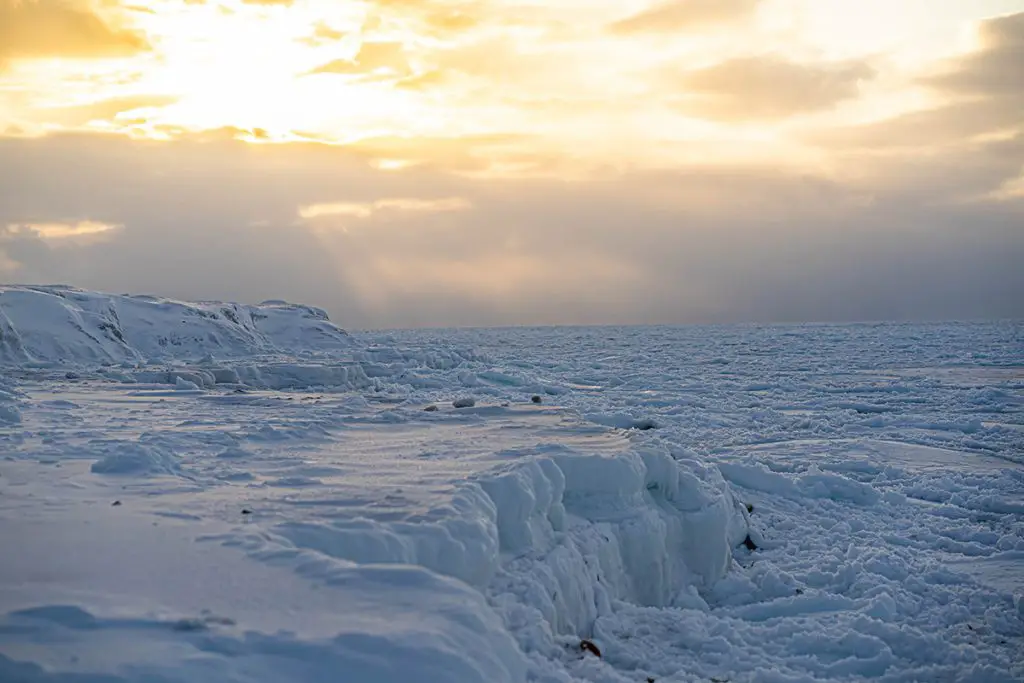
pixel 369 209
pixel 425 81
pixel 466 153
pixel 102 110
pixel 943 125
pixel 322 33
pixel 61 28
pixel 438 18
pixel 697 244
pixel 452 21
pixel 372 56
pixel 982 93
pixel 681 15
pixel 61 231
pixel 995 69
pixel 768 87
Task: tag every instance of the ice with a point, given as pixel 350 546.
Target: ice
pixel 137 459
pixel 269 499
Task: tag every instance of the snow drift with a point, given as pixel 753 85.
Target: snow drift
pixel 58 324
pixel 555 541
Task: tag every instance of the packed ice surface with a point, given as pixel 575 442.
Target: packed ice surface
pixel 310 509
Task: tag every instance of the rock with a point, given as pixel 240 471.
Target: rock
pixel 536 399
pixel 465 402
pixel 430 409
pixel 115 504
pixel 749 544
pixel 750 508
pixel 246 511
pixel 588 646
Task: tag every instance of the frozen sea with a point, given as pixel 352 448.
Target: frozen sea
pixel 193 498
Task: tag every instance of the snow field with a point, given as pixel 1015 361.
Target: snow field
pixel 275 503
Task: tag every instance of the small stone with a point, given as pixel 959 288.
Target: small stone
pixel 465 402
pixel 430 409
pixel 588 646
pixel 536 399
pixel 116 503
pixel 246 511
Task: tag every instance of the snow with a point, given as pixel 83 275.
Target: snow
pixel 59 324
pixel 268 499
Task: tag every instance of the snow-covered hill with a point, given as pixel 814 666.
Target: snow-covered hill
pixel 61 325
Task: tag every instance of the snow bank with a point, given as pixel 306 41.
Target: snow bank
pixel 561 536
pixel 64 325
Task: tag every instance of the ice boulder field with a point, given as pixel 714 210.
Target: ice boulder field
pixel 213 492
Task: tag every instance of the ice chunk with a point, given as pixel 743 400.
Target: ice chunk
pixel 136 459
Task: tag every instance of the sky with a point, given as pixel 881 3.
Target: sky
pixel 408 163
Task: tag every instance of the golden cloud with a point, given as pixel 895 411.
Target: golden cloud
pixel 685 14
pixel 769 87
pixel 61 231
pixel 103 109
pixel 56 28
pixel 369 209
pixel 983 93
pixel 323 33
pixel 997 69
pixel 371 57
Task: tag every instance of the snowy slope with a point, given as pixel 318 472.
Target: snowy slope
pixel 182 524
pixel 59 324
